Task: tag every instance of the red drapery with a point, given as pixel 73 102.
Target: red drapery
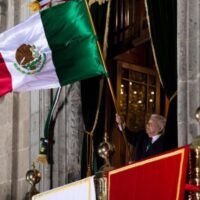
pixel 157 178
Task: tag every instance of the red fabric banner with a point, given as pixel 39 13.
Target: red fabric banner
pixel 5 78
pixel 157 178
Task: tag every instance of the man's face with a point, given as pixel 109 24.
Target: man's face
pixel 152 127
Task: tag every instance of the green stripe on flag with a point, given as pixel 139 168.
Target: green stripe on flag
pixel 73 42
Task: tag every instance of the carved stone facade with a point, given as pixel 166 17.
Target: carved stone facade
pixel 188 47
pixel 68 135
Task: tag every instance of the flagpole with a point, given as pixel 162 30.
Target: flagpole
pixel 108 78
pixel 115 104
pixel 117 111
pixel 109 84
pixel 104 65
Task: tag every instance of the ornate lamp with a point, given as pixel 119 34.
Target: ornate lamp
pixel 105 150
pixel 194 164
pixel 33 176
pixel 197 114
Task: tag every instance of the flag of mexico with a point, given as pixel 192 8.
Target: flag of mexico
pixel 52 48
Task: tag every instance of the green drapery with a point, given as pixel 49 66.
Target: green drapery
pixel 162 16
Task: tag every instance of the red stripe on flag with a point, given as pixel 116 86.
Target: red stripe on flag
pixel 5 78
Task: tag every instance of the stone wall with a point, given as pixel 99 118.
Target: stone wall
pixel 68 135
pixel 188 69
pixel 14 145
pixel 14 127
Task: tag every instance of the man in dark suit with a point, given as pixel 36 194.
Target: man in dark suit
pixel 149 142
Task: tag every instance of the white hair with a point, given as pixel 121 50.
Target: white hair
pixel 160 120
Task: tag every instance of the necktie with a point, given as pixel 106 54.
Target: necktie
pixel 149 144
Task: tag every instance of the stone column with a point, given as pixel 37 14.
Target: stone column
pixel 188 37
pixel 14 125
pixel 68 135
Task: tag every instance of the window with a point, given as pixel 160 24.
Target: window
pixel 138 93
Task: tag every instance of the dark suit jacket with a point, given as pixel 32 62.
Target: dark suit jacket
pixel 140 141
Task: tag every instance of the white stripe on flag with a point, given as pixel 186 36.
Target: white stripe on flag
pixel 29 32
